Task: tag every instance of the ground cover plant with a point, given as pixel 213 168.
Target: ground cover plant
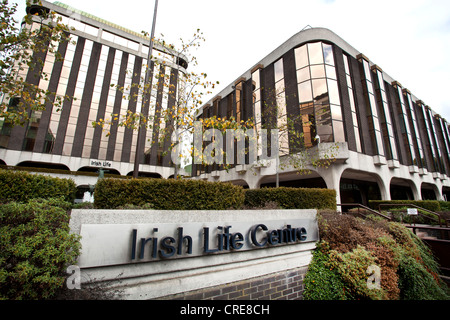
pixel 349 246
pixel 35 248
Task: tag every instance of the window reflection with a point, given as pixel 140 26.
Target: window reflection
pixel 320 91
pixel 316 61
pixel 303 74
pixel 305 93
pixel 328 54
pixel 333 92
pixel 279 72
pixel 338 130
pixel 331 72
pixel 301 57
pixel 318 71
pixel 315 53
pixel 336 112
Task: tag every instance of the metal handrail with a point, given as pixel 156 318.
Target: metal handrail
pixel 417 207
pixel 442 230
pixel 366 208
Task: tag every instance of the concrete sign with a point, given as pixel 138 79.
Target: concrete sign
pixel 107 244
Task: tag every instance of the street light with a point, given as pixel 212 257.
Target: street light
pixel 145 100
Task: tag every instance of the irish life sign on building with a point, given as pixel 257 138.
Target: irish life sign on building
pixel 148 236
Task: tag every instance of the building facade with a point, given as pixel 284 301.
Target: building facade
pixel 100 57
pixel 390 144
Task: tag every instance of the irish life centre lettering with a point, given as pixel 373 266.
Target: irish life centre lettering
pixel 213 241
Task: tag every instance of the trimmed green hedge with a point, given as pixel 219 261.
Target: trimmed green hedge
pixel 168 194
pixel 22 186
pixel 431 205
pixel 292 198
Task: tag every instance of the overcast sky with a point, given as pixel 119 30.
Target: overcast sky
pixel 408 39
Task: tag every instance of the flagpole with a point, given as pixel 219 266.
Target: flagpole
pixel 145 99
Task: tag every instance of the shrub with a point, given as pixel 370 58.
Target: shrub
pixel 416 283
pixel 352 267
pixel 349 245
pixel 168 194
pixel 321 281
pixel 35 249
pixel 292 198
pixel 22 186
pixel 445 205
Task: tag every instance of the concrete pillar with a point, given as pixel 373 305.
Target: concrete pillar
pixel 332 177
pixel 416 191
pixel 384 189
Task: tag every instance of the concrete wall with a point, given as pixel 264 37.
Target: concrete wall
pixel 269 272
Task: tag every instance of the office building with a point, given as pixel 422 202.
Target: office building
pixel 100 56
pixel 391 145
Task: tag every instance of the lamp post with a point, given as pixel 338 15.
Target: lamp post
pixel 137 158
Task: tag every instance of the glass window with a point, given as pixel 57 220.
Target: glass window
pixel 331 72
pixel 352 100
pixel 304 91
pixel 338 129
pixel 301 57
pixel 281 102
pixel 315 53
pixel 303 75
pixel 279 87
pixel 376 125
pixel 370 87
pixel 349 81
pixel 333 92
pixel 256 96
pixel 258 112
pixel 323 115
pixel 383 96
pixel 328 54
pixel 373 105
pixel 279 72
pixel 336 112
pixel 355 119
pixel 325 133
pixel 347 68
pixel 256 80
pixel 318 71
pixel 320 91
pixel 379 142
pixel 367 70
pixel 358 141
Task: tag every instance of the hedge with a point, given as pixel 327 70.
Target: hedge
pixel 163 194
pixel 431 205
pixel 36 247
pixel 21 186
pixel 292 198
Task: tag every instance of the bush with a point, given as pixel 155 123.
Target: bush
pixel 431 205
pixel 168 194
pixel 292 198
pixel 416 283
pixel 21 186
pixel 35 249
pixel 322 282
pixel 349 245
